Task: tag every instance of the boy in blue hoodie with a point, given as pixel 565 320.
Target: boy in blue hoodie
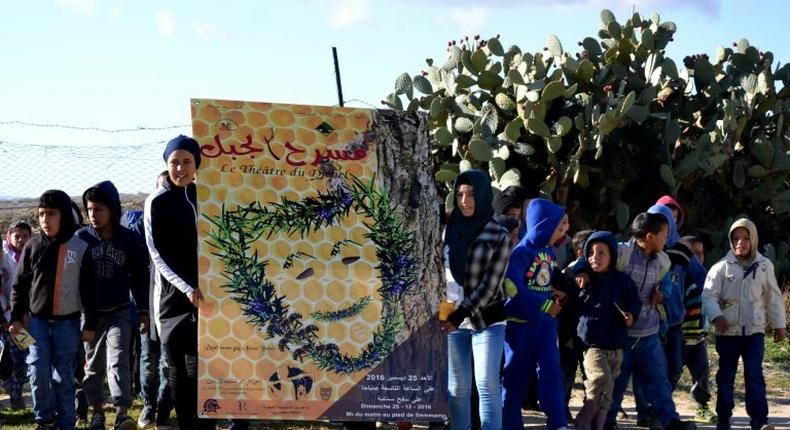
pixel 531 310
pixel 607 306
pixel 53 283
pixel 120 266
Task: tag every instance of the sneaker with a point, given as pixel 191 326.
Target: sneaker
pixel 163 422
pixel 704 415
pixel 97 422
pixel 46 426
pixel 767 427
pixel 146 420
pixel 124 422
pixel 677 424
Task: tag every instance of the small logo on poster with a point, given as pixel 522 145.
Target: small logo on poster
pixel 325 129
pixel 211 406
pixel 326 393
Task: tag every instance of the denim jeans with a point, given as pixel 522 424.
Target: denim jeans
pixel 751 349
pixel 154 388
pixel 51 363
pixel 644 358
pixel 673 346
pixel 486 346
pixel 107 360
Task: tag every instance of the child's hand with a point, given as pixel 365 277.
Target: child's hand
pixel 447 326
pixel 657 298
pixel 779 334
pixel 721 325
pixel 144 324
pixel 15 328
pixel 628 318
pixel 554 309
pixel 88 336
pixel 582 279
pixel 559 296
pixel 195 297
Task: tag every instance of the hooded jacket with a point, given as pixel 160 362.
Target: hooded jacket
pixel 120 264
pixel 170 219
pixel 54 279
pixel 745 293
pixel 601 324
pixel 532 265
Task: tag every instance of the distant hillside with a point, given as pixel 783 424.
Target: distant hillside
pixel 15 209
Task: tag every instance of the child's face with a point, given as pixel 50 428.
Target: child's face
pixel 741 243
pixel 599 257
pixel 560 231
pixel 19 237
pixel 656 241
pixel 49 220
pixel 465 198
pixel 699 250
pixel 99 215
pixel 514 213
pixel 181 167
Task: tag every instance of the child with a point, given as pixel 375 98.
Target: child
pixel 531 332
pixel 695 330
pixel 120 268
pixel 741 296
pixel 607 307
pixel 16 237
pixel 644 261
pixel 170 220
pixel 54 281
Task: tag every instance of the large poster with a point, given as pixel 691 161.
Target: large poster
pixel 305 263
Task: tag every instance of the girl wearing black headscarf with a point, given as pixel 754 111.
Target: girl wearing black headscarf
pixel 477 250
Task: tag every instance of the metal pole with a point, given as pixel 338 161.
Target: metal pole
pixel 337 77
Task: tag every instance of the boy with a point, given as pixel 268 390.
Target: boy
pixel 643 259
pixel 740 296
pixel 695 330
pixel 531 310
pixel 53 282
pixel 119 267
pixel 607 306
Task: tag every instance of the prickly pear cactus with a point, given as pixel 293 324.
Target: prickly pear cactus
pixel 609 128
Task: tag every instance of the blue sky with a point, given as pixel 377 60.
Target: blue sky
pixel 119 64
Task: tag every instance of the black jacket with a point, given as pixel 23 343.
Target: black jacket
pixel 120 263
pixel 170 219
pixel 54 279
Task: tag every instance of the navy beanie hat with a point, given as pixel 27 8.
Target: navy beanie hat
pixel 186 143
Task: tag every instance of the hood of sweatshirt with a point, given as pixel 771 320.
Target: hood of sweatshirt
pixel 753 238
pixel 672 233
pixel 543 217
pixel 610 241
pixel 672 203
pixel 110 195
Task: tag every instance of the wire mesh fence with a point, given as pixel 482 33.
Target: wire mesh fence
pixel 73 159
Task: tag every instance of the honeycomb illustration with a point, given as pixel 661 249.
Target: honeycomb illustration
pixel 229 346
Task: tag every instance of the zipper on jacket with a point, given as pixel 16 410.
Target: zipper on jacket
pixel 194 209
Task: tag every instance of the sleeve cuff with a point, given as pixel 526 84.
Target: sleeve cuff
pixel 457 317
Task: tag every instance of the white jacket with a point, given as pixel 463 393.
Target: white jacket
pixel 748 301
